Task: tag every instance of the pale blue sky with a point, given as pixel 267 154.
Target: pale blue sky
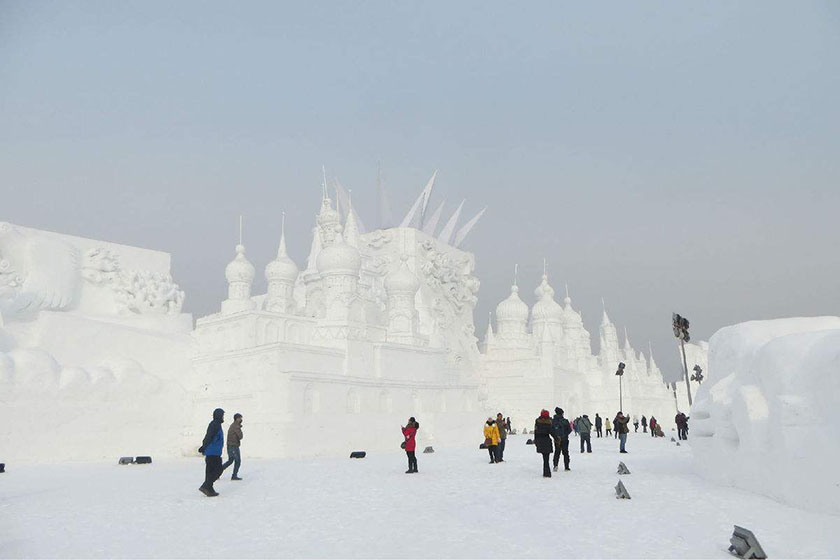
pixel 668 156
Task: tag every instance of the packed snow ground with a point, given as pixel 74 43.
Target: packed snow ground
pixel 457 506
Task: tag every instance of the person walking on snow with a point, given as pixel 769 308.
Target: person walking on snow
pixel 652 425
pixel 608 426
pixel 410 434
pixel 598 425
pixel 644 424
pixel 211 448
pixel 621 429
pixel 636 423
pixel 585 430
pixel 234 438
pixel 682 425
pixel 543 430
pixel 491 439
pixel 561 430
pixel 615 426
pixel 500 425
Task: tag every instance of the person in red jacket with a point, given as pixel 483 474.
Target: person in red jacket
pixel 410 433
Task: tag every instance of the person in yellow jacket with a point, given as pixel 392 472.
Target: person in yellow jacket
pixel 491 439
pixel 607 426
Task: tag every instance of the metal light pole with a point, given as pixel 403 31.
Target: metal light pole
pixel 680 325
pixel 620 373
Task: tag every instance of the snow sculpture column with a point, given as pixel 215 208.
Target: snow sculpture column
pixel 401 287
pixel 281 274
pixel 240 275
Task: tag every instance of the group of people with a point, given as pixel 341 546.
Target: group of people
pixel 212 446
pixel 551 435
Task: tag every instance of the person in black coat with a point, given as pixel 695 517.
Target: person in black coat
pixel 561 429
pixel 644 424
pixel 542 439
pixel 599 423
pixel 211 448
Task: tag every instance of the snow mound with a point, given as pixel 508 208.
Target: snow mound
pixel 764 420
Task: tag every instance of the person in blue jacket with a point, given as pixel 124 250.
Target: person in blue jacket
pixel 211 448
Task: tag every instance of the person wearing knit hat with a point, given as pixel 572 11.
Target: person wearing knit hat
pixel 561 430
pixel 542 440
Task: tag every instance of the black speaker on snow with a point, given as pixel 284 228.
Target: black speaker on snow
pixel 358 454
pixel 143 460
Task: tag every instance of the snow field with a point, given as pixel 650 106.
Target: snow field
pixel 457 506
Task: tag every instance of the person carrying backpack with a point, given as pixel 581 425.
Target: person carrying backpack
pixel 585 429
pixel 561 430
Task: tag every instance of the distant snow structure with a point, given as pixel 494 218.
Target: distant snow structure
pixel 544 355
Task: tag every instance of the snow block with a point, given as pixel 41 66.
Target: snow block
pixel 429 449
pixel 529 442
pixel 126 460
pixel 358 454
pixel 622 468
pixel 745 545
pixel 678 444
pixel 143 460
pixel 621 492
pixel 672 439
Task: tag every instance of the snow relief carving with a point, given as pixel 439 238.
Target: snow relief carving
pixel 451 275
pixel 44 272
pixel 135 291
pixel 36 272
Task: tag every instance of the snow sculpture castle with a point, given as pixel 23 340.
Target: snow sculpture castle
pixel 544 355
pixel 377 327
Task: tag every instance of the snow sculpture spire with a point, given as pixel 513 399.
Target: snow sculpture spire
pixel 281 274
pixel 240 275
pixel 432 222
pixel 489 337
pixel 351 228
pixel 464 231
pixel 447 231
pixel 419 205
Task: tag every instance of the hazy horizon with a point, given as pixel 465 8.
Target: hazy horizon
pixel 667 157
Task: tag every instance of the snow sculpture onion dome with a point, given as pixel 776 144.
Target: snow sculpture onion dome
pixel 281 269
pixel 240 275
pixel 546 309
pixel 403 281
pixel 339 258
pixel 513 308
pixel 240 268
